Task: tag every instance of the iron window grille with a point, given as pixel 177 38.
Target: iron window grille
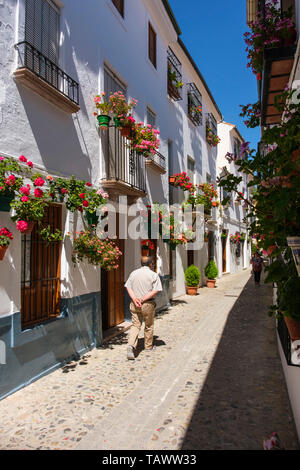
pixel 174 76
pixel 121 162
pixel 40 272
pixel 113 83
pixel 194 98
pixel 212 123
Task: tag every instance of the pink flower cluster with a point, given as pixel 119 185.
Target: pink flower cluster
pixel 22 226
pixel 24 160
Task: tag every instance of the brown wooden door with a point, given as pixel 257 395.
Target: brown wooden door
pixel 112 287
pixel 190 257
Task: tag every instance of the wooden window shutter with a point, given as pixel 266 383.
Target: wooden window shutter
pixel 152 45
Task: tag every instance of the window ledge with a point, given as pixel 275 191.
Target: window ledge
pixel 46 91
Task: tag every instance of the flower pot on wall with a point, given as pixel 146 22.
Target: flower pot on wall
pixel 294 328
pixel 3 251
pixel 103 121
pixel 5 203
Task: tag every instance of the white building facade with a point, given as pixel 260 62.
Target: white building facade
pixel 57 57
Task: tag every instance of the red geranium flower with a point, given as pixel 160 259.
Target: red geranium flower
pixel 38 192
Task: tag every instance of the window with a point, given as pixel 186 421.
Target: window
pixel 236 147
pixel 208 178
pixel 40 276
pixel 151 117
pixel 119 4
pixel 191 169
pixel 42 27
pixel 152 45
pixel 112 83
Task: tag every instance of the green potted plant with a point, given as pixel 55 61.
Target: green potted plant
pixel 29 208
pixel 192 279
pixel 5 237
pixel 104 108
pixel 211 273
pixel 9 183
pixel 121 110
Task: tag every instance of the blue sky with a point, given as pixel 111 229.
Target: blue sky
pixel 213 33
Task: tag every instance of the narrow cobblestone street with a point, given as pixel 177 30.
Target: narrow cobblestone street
pixel 214 382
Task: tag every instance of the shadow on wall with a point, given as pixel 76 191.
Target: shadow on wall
pixel 56 136
pixel 243 399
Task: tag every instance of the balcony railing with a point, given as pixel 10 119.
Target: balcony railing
pixel 124 167
pixel 157 161
pixel 32 59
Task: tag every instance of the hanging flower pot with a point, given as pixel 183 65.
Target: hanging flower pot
pixel 2 251
pixel 25 227
pixel 126 132
pixel 103 121
pixel 5 203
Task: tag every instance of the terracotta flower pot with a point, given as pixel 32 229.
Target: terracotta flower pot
pixel 192 290
pixel 294 328
pixel 2 251
pixel 126 131
pixel 31 224
pixel 210 283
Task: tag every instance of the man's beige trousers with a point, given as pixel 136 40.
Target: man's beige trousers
pixel 146 312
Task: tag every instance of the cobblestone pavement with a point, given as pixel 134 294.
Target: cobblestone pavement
pixel 214 382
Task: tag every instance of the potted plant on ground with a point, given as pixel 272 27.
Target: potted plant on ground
pixel 192 279
pixel 211 272
pixel 104 108
pixel 5 237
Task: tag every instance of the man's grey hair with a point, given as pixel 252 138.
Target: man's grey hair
pixel 146 261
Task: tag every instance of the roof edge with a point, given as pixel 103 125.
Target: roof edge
pixel 171 16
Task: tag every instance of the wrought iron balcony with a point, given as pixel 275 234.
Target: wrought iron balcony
pixel 124 167
pixel 44 77
pixel 157 162
pixel 174 77
pixel 194 104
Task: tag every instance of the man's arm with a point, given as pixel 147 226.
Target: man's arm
pixel 149 296
pixel 137 302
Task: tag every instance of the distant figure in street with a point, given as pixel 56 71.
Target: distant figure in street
pixel 257 265
pixel 142 286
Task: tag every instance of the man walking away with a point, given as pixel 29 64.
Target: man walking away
pixel 257 264
pixel 142 286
